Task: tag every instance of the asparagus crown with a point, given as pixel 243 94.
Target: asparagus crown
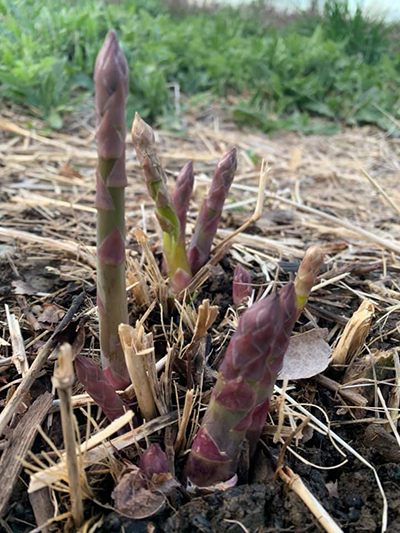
pixel 307 274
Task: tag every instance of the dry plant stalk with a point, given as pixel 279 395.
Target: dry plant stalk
pixel 394 395
pixel 137 281
pixel 184 420
pixel 63 379
pixel 19 356
pixel 206 316
pixel 296 484
pixel 354 334
pixel 135 343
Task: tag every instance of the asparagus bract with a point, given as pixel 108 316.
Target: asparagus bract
pixel 178 267
pixel 236 406
pixel 99 389
pixel 306 275
pixel 111 89
pixel 211 210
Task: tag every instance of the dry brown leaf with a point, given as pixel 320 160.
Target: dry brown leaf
pixel 354 334
pixel 138 498
pixel 50 314
pixel 308 354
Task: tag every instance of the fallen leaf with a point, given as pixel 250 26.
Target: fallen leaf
pixel 51 314
pixel 21 287
pixel 134 499
pixel 308 354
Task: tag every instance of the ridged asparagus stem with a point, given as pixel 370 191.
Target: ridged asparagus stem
pixel 99 389
pixel 241 287
pixel 111 88
pixel 249 362
pixel 288 315
pixel 178 268
pixel 210 213
pixel 307 274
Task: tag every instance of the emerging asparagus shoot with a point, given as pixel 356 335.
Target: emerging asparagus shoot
pixel 240 399
pixel 178 267
pixel 111 89
pixel 307 274
pixel 241 287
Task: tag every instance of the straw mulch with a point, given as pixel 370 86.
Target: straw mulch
pixel 341 193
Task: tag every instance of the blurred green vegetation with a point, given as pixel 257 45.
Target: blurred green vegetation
pixel 336 65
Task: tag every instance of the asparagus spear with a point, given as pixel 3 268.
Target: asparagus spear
pixel 250 362
pixel 99 389
pixel 241 287
pixel 111 89
pixel 288 314
pixel 181 197
pixel 210 213
pixel 306 275
pixel 178 267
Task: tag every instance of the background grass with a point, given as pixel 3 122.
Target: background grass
pixel 337 65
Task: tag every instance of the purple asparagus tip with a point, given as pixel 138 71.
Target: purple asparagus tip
pixel 241 288
pixel 153 461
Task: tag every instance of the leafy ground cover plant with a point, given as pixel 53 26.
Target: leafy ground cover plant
pixel 339 66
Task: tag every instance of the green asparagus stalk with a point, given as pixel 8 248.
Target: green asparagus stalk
pixel 250 362
pixel 211 210
pixel 99 389
pixel 111 89
pixel 241 287
pixel 307 274
pixel 178 268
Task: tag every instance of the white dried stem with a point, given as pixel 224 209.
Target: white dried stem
pixel 63 379
pixel 135 344
pixel 19 356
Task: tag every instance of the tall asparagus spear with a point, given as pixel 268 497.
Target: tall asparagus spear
pixel 211 210
pixel 111 89
pixel 307 274
pixel 249 363
pixel 178 267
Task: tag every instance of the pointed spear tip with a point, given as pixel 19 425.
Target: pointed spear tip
pixel 229 159
pixel 142 133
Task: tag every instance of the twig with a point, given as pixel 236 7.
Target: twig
pixel 295 483
pixel 63 380
pixel 381 191
pixel 353 397
pixel 37 365
pixel 18 446
pixel 390 420
pixel 19 356
pixel 281 456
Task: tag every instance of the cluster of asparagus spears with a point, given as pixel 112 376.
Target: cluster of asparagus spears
pixel 241 397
